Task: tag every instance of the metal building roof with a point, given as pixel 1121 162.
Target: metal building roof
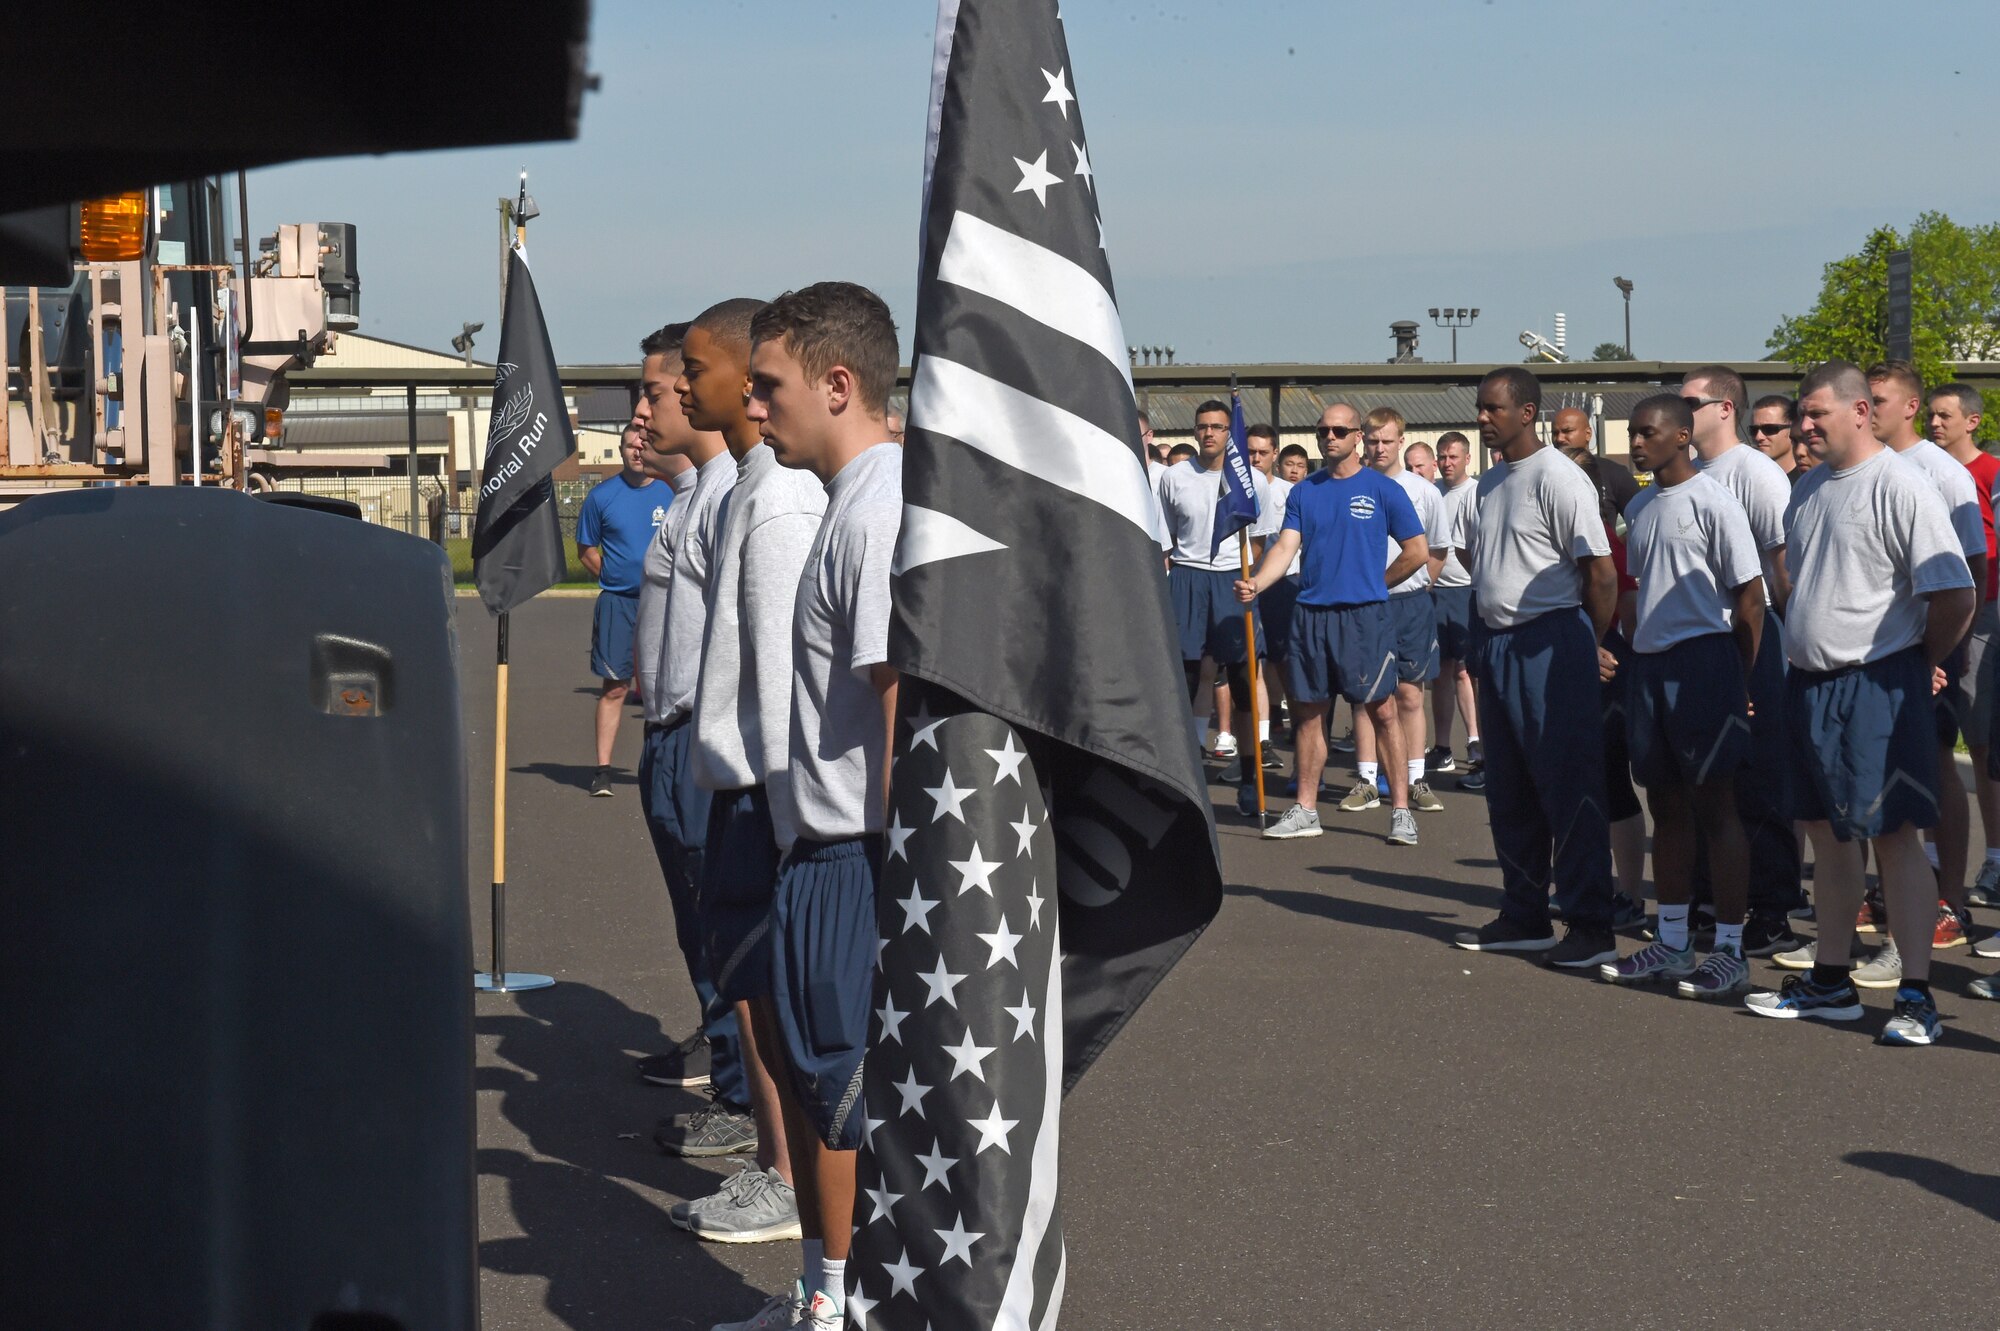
pixel 603 406
pixel 365 429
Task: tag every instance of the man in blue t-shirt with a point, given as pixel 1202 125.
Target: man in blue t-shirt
pixel 618 521
pixel 1337 522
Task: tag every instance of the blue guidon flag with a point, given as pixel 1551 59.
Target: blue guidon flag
pixel 1051 852
pixel 1237 508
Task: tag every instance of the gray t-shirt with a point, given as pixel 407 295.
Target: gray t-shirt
pixel 840 628
pixel 1690 547
pixel 1954 485
pixel 1424 497
pixel 1456 499
pixel 1527 526
pixel 687 609
pixel 742 712
pixel 1866 545
pixel 649 635
pixel 1188 496
pixel 1281 490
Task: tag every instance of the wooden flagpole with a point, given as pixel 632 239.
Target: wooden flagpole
pixel 1250 647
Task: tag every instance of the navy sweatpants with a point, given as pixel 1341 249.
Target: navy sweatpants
pixel 677 815
pixel 1545 770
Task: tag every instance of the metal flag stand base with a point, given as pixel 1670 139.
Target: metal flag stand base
pixel 500 980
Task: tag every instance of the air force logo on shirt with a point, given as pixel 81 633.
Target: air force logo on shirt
pixel 659 515
pixel 1362 506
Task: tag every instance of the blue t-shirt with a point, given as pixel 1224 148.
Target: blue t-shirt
pixel 1342 527
pixel 620 519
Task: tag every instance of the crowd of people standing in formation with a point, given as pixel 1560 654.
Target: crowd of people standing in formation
pixel 1786 637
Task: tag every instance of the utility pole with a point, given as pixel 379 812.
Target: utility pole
pixel 1626 287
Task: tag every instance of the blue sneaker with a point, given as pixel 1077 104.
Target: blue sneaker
pixel 1381 784
pixel 1915 1021
pixel 1246 801
pixel 1651 964
pixel 1798 996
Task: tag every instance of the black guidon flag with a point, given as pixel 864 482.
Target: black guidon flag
pixel 517 546
pixel 1051 852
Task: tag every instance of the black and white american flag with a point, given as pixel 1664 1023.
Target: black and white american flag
pixel 1051 850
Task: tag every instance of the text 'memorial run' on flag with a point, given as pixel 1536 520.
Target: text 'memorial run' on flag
pixel 1237 508
pixel 1050 852
pixel 517 547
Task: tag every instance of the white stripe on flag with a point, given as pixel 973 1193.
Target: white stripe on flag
pixel 947 28
pixel 1033 436
pixel 929 536
pixel 1019 1301
pixel 1038 282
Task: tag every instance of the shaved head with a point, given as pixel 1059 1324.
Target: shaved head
pixel 1845 378
pixel 727 323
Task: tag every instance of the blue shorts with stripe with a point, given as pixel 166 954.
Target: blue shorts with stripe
pixel 739 878
pixel 1275 606
pixel 1687 712
pixel 613 622
pixel 1864 746
pixel 1207 614
pixel 1344 649
pixel 1413 622
pixel 1455 615
pixel 823 935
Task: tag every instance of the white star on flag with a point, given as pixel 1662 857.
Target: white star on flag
pixel 898 835
pixel 859 1305
pixel 917 909
pixel 1002 941
pixel 1034 904
pixel 1059 92
pixel 1036 176
pixel 1010 760
pixel 968 1057
pixel 868 1126
pixel 892 1020
pixel 1083 166
pixel 940 984
pixel 993 1131
pixel 958 1241
pixel 937 1166
pixel 1024 1018
pixel 924 726
pixel 1025 829
pixel 880 943
pixel 975 872
pixel 884 1200
pixel 902 1275
pixel 949 798
pixel 913 1093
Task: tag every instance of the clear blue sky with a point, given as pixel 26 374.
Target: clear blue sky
pixel 1279 180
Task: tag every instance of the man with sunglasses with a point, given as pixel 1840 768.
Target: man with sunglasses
pixel 1716 395
pixel 1773 428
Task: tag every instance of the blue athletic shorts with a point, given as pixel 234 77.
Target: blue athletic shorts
pixel 1274 627
pixel 739 878
pixel 1455 614
pixel 1341 648
pixel 823 976
pixel 1413 621
pixel 1686 711
pixel 1864 746
pixel 1208 615
pixel 612 625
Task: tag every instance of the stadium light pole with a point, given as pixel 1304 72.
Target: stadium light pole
pixel 1625 287
pixel 1454 319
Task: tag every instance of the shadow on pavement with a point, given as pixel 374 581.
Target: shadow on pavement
pixel 1980 1192
pixel 1342 910
pixel 576 775
pixel 608 1251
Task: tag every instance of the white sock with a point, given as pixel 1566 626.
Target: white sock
pixel 815 1271
pixel 1264 731
pixel 1930 853
pixel 1674 927
pixel 1728 937
pixel 1472 742
pixel 1368 771
pixel 1416 770
pixel 833 1281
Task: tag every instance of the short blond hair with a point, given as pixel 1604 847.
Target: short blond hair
pixel 1382 416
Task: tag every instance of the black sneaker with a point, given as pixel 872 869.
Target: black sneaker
pixel 1503 935
pixel 686 1064
pixel 1583 949
pixel 600 784
pixel 1626 914
pixel 1767 936
pixel 1440 760
pixel 1474 779
pixel 714 1129
pixel 1272 762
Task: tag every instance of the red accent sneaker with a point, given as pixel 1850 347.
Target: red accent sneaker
pixel 1950 929
pixel 1874 917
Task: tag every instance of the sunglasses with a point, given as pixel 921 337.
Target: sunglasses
pixel 1336 431
pixel 1697 403
pixel 1768 430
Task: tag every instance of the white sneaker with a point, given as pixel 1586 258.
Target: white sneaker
pixel 1225 745
pixel 1987 947
pixel 823 1314
pixel 1297 821
pixel 1799 958
pixel 784 1310
pixel 1884 970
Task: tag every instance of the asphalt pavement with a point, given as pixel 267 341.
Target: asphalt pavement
pixel 1325 1117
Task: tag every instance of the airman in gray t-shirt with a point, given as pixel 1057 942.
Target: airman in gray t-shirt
pixel 1690 547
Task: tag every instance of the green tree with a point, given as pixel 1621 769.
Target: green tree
pixel 1610 351
pixel 1954 302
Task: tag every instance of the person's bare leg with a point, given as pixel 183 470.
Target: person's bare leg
pixel 1673 844
pixel 1910 892
pixel 772 1146
pixel 1363 730
pixel 1225 706
pixel 1388 732
pixel 1410 711
pixel 1839 883
pixel 1628 855
pixel 1309 752
pixel 1468 705
pixel 1953 829
pixel 1728 849
pixel 608 704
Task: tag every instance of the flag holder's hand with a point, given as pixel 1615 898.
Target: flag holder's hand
pixel 1246 590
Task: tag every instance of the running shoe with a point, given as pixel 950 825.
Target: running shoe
pixel 1475 779
pixel 600 783
pixel 1651 964
pixel 1344 744
pixel 1874 915
pixel 1626 914
pixel 1381 783
pixel 1988 946
pixel 1884 970
pixel 730 1193
pixel 1768 935
pixel 1440 760
pixel 686 1064
pixel 1503 935
pixel 1914 1022
pixel 1297 821
pixel 1423 799
pixel 1952 928
pixel 1272 761
pixel 1719 975
pixel 1799 958
pixel 1581 949
pixel 714 1129
pixel 1246 801
pixel 1986 888
pixel 783 1311
pixel 1402 828
pixel 821 1313
pixel 1362 798
pixel 1984 987
pixel 1224 747
pixel 765 1210
pixel 1798 996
